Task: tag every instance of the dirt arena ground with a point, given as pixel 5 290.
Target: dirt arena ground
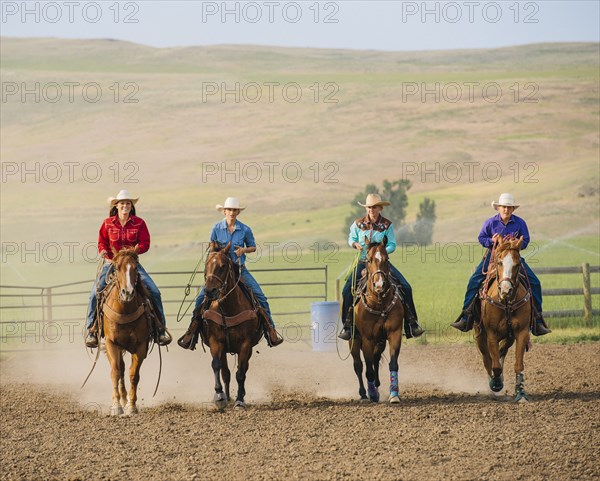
pixel 303 420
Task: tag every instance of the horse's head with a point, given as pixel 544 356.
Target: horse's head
pixel 378 266
pixel 217 271
pixel 126 272
pixel 508 263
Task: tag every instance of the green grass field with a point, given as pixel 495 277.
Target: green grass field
pixel 539 140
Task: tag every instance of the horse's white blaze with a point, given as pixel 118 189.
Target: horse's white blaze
pixel 507 264
pixel 378 256
pixel 129 285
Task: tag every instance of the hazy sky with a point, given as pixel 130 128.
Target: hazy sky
pixel 382 25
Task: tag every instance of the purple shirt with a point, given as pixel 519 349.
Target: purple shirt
pixel 494 225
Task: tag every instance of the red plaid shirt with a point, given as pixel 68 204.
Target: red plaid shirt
pixel 114 235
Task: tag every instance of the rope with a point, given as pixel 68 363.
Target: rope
pixel 188 287
pixel 351 270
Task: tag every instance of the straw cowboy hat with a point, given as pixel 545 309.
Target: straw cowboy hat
pixel 122 195
pixel 373 200
pixel 506 200
pixel 230 203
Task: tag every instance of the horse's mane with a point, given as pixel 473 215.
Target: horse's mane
pixel 126 252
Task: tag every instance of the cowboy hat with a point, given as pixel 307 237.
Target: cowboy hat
pixel 373 200
pixel 122 195
pixel 506 200
pixel 230 203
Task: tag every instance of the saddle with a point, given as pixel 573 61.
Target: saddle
pixel 146 307
pixel 200 317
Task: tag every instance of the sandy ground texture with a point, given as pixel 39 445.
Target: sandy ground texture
pixel 303 419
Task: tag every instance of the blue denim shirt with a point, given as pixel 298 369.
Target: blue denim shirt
pixel 494 225
pixel 242 237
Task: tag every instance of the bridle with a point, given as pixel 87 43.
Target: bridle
pixel 224 282
pixel 510 280
pixel 118 284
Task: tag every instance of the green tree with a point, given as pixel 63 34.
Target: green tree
pixel 423 228
pixel 396 193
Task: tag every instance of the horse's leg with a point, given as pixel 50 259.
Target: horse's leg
pixel 226 374
pixel 114 358
pixel 395 341
pixel 134 377
pixel 358 367
pixel 122 388
pixel 522 339
pixel 371 387
pixel 481 337
pixel 497 380
pixel 240 375
pixel 376 359
pixel 217 351
pixel 505 345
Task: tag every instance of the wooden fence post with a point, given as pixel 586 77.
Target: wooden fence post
pixel 587 295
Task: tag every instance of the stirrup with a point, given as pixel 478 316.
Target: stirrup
pixel 91 340
pixel 164 339
pixel 462 324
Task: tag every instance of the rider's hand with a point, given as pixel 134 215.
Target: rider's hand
pixel 495 238
pixel 357 246
pixel 103 254
pixel 239 251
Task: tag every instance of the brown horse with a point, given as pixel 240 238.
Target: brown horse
pixel 126 323
pixel 505 316
pixel 230 322
pixel 378 317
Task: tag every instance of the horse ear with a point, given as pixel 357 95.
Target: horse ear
pixel 213 246
pixel 385 241
pixel 114 251
pixel 136 249
pixel 226 248
pixel 519 243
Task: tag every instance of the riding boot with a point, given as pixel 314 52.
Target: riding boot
pixel 91 340
pixel 274 339
pixel 346 332
pixel 190 338
pixel 163 337
pixel 539 328
pixel 465 321
pixel 411 325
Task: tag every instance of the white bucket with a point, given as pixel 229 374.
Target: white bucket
pixel 324 325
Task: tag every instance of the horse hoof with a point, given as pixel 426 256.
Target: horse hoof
pixel 239 405
pixel 496 384
pixel 131 409
pixel 521 397
pixel 394 399
pixel 116 410
pixel 364 400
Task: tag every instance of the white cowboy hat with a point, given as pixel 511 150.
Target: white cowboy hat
pixel 506 200
pixel 230 203
pixel 373 200
pixel 122 195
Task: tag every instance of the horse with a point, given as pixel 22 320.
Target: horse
pixel 506 314
pixel 126 322
pixel 378 316
pixel 230 323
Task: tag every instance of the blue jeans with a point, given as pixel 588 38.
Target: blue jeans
pixel 144 277
pixel 252 284
pixel 396 274
pixel 477 279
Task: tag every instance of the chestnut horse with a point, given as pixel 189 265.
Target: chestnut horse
pixel 505 316
pixel 126 323
pixel 378 316
pixel 230 322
